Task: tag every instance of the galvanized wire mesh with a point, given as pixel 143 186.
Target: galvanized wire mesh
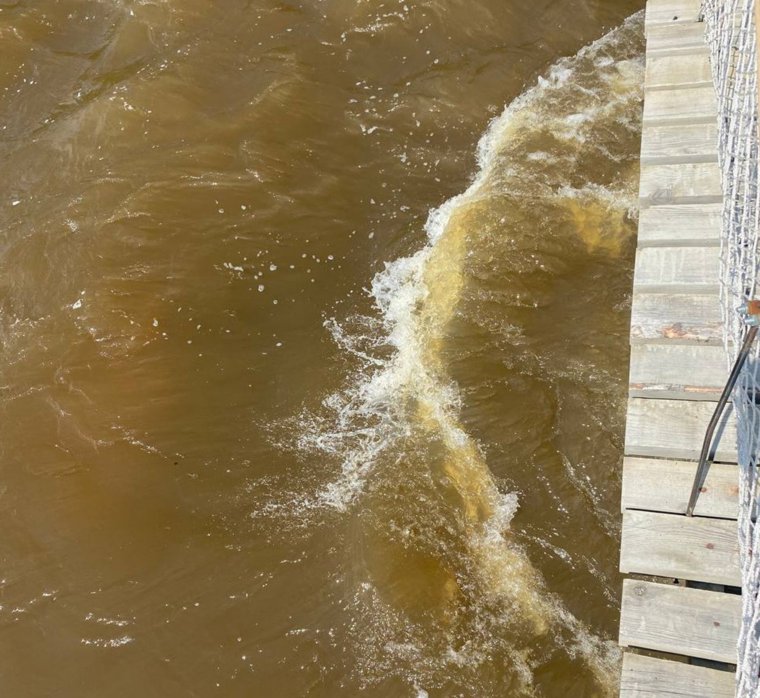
pixel 730 30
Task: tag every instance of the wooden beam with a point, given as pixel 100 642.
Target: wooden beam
pixel 683 183
pixel 660 485
pixel 673 38
pixel 672 12
pixel 676 317
pixel 692 106
pixel 678 71
pixel 680 620
pixel 681 269
pixel 676 143
pixel 675 429
pixel 677 371
pixel 690 224
pixel 668 545
pixel 647 677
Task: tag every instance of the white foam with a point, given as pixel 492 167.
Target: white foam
pixel 371 416
pixel 399 291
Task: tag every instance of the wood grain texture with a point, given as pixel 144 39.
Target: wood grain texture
pixel 689 224
pixel 683 183
pixel 673 143
pixel 695 105
pixel 672 12
pixel 675 37
pixel 660 485
pixel 682 70
pixel 676 317
pixel 680 620
pixel 675 429
pixel 690 269
pixel 669 545
pixel 647 677
pixel 677 371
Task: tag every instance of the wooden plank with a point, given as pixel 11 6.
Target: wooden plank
pixel 676 429
pixel 693 269
pixel 656 484
pixel 676 317
pixel 682 547
pixel 678 71
pixel 677 371
pixel 647 677
pixel 684 183
pixel 695 105
pixel 680 143
pixel 676 619
pixel 674 37
pixel 672 11
pixel 685 224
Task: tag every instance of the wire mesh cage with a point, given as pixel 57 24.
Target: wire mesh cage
pixel 731 36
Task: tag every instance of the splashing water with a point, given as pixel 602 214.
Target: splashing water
pixel 441 582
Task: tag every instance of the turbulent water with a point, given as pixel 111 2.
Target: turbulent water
pixel 314 344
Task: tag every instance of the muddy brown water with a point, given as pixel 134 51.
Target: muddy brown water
pixel 313 356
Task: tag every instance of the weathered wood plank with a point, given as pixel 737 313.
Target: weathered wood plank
pixel 647 677
pixel 676 429
pixel 656 484
pixel 672 11
pixel 684 183
pixel 685 224
pixel 675 334
pixel 680 143
pixel 683 70
pixel 676 317
pixel 691 106
pixel 668 545
pixel 675 37
pixel 675 619
pixel 677 371
pixel 693 269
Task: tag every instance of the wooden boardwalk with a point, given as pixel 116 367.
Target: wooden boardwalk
pixel 681 608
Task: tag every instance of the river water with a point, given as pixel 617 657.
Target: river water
pixel 313 354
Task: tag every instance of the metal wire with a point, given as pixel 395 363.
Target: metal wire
pixel 730 30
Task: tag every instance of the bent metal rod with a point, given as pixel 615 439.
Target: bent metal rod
pixel 751 313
